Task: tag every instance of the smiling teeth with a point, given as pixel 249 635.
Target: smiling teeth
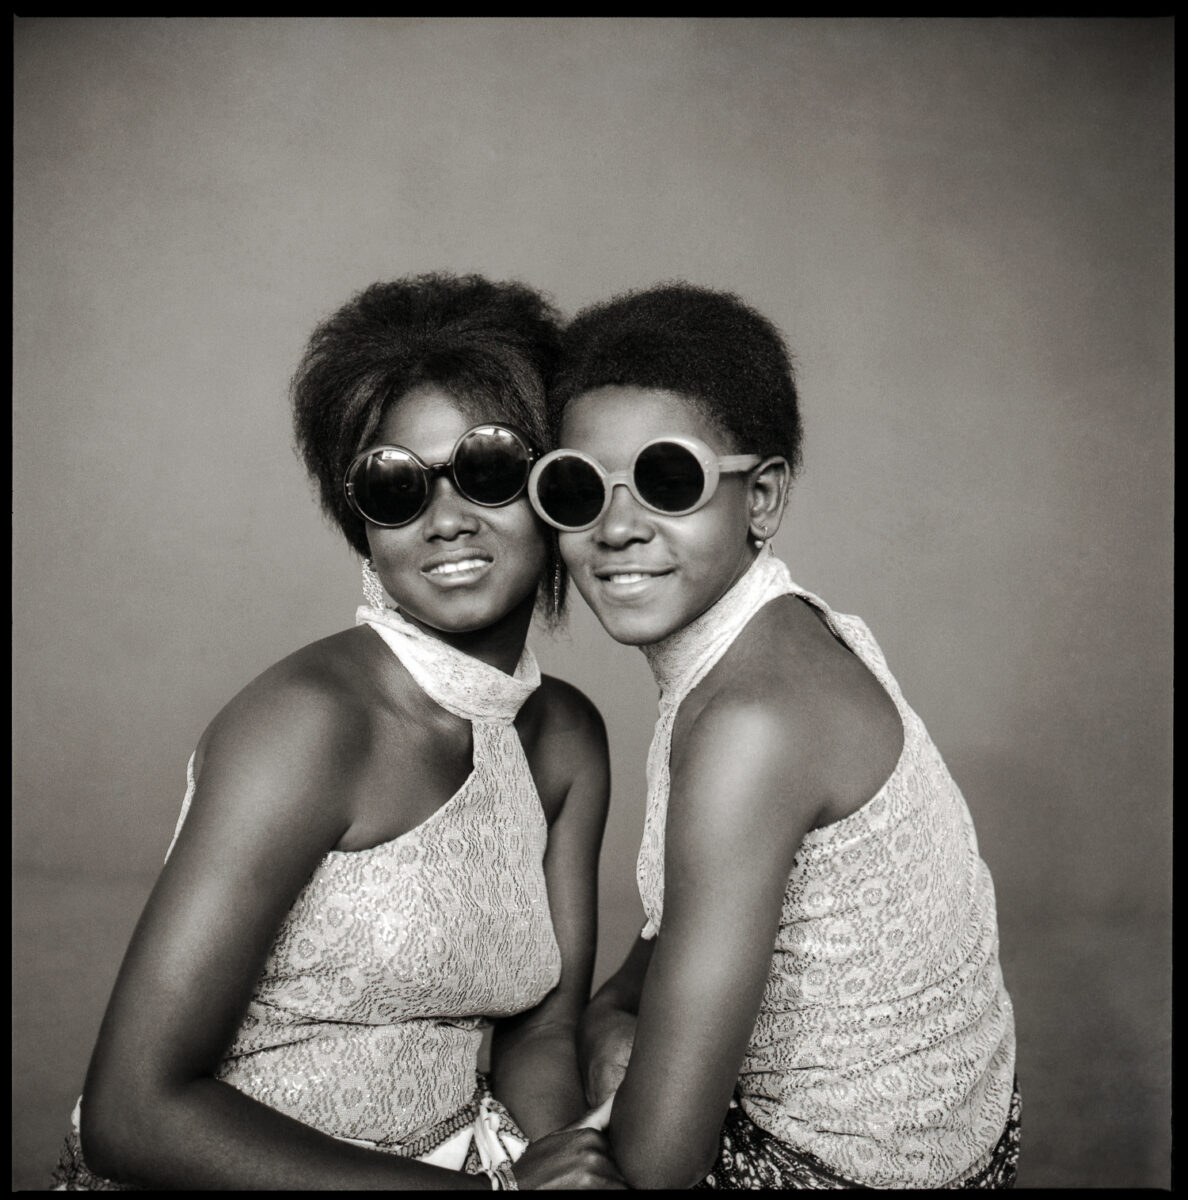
pixel 628 577
pixel 455 568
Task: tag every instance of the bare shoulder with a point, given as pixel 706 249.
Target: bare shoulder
pixel 565 740
pixel 791 702
pixel 286 742
pixel 315 693
pixel 567 710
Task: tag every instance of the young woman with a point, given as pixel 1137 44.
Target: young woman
pixel 390 838
pixel 816 999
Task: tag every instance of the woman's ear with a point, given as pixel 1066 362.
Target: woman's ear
pixel 768 495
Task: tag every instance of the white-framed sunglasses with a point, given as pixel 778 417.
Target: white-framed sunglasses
pixel 672 476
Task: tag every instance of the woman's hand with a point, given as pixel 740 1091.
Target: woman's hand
pixel 577 1156
pixel 608 1050
pixel 607 1032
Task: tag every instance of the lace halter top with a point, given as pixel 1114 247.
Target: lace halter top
pixel 367 1018
pixel 885 1038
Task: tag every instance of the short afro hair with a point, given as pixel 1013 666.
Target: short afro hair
pixel 708 346
pixel 492 346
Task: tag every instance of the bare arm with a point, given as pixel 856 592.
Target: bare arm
pixel 534 1055
pixel 732 834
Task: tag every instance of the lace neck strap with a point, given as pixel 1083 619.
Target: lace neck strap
pixel 681 660
pixel 464 685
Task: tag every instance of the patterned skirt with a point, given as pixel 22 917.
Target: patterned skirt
pixel 751 1158
pixel 477 1133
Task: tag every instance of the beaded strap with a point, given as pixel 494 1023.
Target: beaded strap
pixel 440 1133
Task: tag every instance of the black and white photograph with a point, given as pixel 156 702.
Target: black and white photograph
pixel 592 603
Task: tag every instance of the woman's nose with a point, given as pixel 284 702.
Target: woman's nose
pixel 625 519
pixel 448 513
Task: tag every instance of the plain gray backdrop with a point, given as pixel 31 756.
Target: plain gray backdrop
pixel 964 229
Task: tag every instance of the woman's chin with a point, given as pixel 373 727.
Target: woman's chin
pixel 633 628
pixel 460 614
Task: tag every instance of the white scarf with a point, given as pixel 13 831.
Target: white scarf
pixel 466 686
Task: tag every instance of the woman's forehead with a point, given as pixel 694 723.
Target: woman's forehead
pixel 620 418
pixel 424 418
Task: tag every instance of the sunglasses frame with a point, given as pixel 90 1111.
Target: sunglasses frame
pixel 713 466
pixel 433 471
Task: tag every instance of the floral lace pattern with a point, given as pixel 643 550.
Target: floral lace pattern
pixel 885 1041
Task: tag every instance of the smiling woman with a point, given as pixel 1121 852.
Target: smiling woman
pixel 389 840
pixel 640 587
pixel 455 564
pixel 815 999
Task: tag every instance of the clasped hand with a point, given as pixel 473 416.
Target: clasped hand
pixel 576 1156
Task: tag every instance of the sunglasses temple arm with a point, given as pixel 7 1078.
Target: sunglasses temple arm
pixel 738 462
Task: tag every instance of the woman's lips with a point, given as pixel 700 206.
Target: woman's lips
pixel 629 582
pixel 456 572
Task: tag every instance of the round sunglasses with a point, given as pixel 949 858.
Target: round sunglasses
pixel 673 476
pixel 391 486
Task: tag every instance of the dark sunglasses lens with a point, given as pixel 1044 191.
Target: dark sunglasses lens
pixel 570 491
pixel 389 488
pixel 669 477
pixel 491 466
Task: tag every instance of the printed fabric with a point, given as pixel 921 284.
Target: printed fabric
pixel 749 1158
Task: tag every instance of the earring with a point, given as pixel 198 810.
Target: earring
pixel 373 590
pixel 761 538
